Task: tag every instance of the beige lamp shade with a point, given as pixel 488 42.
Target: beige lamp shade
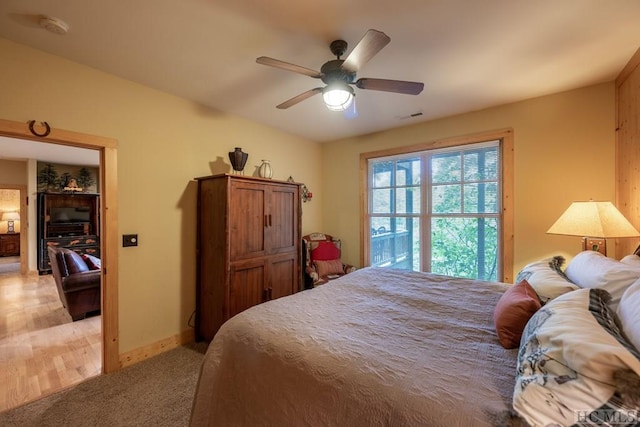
pixel 593 219
pixel 10 216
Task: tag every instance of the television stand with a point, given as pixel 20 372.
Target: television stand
pixel 78 233
pixel 68 229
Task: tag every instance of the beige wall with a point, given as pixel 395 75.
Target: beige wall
pixel 564 151
pixel 164 142
pixel 13 172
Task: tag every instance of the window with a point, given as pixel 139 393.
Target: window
pixel 442 209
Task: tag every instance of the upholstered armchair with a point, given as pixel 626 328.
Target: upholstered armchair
pixel 322 261
pixel 78 285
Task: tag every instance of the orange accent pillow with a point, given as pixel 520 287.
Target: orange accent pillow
pixel 513 311
pixel 333 266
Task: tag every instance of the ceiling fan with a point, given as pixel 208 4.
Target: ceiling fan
pixel 339 74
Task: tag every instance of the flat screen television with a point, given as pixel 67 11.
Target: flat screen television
pixel 66 215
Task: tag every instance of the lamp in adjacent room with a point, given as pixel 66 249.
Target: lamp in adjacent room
pixel 10 217
pixel 594 222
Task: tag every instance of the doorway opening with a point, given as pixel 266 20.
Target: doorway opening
pixel 12 208
pixel 107 149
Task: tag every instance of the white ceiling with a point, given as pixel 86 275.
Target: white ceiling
pixel 471 54
pixel 19 149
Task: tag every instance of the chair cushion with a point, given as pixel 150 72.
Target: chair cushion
pixel 74 262
pixel 325 251
pixel 329 267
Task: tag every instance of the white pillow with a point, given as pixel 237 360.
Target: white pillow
pixel 629 313
pixel 632 260
pixel 546 278
pixel 591 269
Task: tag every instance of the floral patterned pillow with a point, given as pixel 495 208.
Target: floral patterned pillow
pixel 547 278
pixel 570 363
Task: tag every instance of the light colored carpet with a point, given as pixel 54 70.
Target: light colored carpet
pixel 156 392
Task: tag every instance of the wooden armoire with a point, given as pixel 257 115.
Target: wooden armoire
pixel 248 246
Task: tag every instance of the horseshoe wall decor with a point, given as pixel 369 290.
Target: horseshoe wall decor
pixel 33 131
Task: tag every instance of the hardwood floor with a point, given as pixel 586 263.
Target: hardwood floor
pixel 41 350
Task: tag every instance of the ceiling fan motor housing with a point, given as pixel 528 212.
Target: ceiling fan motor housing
pixel 338 47
pixel 332 71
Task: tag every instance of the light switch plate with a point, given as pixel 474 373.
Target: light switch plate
pixel 129 240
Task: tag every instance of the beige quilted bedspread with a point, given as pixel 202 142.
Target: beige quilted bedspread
pixel 378 347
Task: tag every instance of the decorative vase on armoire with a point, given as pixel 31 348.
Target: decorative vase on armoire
pixel 238 159
pixel 265 170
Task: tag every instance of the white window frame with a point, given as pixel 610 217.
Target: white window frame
pixel 505 214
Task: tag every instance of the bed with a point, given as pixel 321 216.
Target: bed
pixel 375 347
pixel 384 347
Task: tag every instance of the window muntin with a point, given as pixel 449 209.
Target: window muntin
pixel 438 210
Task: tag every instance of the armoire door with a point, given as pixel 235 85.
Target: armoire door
pixel 283 275
pixel 283 215
pixel 247 285
pixel 247 220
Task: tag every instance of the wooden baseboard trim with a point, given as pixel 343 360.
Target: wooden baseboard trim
pixel 138 355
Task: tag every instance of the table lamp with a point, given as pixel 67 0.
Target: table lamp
pixel 10 217
pixel 594 222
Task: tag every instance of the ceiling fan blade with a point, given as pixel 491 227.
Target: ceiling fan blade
pixel 372 43
pixel 299 98
pixel 396 86
pixel 264 60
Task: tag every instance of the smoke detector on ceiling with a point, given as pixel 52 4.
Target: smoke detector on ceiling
pixel 54 25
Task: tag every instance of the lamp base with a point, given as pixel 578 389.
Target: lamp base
pixel 594 244
pixel 10 227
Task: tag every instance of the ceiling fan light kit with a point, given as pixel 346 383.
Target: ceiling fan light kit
pixel 338 96
pixel 339 74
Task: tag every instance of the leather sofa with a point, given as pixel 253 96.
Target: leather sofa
pixel 78 286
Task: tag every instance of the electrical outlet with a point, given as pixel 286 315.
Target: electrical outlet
pixel 598 245
pixel 129 240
